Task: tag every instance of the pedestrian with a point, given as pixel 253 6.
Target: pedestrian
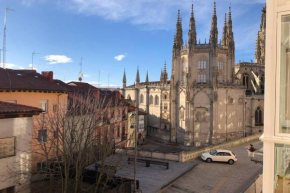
pixel 251 148
pixel 251 151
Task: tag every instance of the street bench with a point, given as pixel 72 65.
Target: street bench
pixel 148 162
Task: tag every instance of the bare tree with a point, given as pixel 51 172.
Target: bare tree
pixel 78 134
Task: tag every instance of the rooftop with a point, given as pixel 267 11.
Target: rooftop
pixel 28 80
pixel 12 108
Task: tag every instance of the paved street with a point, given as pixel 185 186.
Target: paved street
pixel 221 177
pixel 154 177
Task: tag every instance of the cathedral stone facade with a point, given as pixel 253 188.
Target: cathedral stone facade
pixel 209 99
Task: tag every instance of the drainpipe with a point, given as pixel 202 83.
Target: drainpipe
pixel 58 108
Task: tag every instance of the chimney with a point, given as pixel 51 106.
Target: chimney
pixel 118 95
pixel 48 75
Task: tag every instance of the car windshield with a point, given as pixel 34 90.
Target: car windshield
pixel 213 152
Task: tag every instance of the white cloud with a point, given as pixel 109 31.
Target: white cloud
pixel 34 66
pixel 86 75
pixel 12 66
pixel 153 14
pixel 120 57
pixel 58 59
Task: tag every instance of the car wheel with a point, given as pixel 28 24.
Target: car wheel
pixel 231 162
pixel 208 160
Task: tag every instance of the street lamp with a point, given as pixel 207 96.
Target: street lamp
pixel 133 121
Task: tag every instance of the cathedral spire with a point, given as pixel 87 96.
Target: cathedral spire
pixel 192 30
pixel 230 34
pixel 230 23
pixel 178 40
pixel 124 79
pixel 214 30
pixel 147 78
pixel 225 32
pixel 137 81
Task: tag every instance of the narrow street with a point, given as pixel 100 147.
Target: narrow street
pixel 221 177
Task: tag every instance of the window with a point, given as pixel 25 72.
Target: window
pixel 202 64
pixel 128 97
pixel 118 131
pixel 282 168
pixel 141 98
pixel 151 100
pixel 41 166
pixel 165 106
pixel 42 136
pixel 43 105
pixel 258 117
pixel 165 96
pixel 8 190
pixel 156 100
pixel 201 78
pixel 220 65
pixel 123 133
pixel 7 147
pixel 245 80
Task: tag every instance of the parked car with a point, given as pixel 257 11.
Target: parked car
pixel 220 156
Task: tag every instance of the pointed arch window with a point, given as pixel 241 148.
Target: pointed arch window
pixel 141 98
pixel 156 100
pixel 151 100
pixel 220 65
pixel 258 117
pixel 165 96
pixel 246 80
pixel 201 78
pixel 202 64
pixel 128 97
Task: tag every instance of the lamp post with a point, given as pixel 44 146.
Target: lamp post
pixel 134 124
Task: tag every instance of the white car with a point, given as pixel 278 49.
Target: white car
pixel 220 156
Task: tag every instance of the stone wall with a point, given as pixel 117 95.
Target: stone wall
pixel 188 155
pixel 191 154
pixel 256 186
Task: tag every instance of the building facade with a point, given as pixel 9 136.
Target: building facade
pixel 16 126
pixel 208 99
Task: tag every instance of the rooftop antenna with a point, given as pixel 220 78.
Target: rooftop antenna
pixel 33 53
pixel 81 72
pixel 7 9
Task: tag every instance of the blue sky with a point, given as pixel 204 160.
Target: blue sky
pixel 112 35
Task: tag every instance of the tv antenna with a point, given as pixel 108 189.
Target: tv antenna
pixel 7 9
pixel 33 53
pixel 81 72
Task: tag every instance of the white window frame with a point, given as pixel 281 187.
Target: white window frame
pixel 41 102
pixel 277 78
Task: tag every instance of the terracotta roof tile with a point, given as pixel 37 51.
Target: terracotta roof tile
pixel 10 108
pixel 26 80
